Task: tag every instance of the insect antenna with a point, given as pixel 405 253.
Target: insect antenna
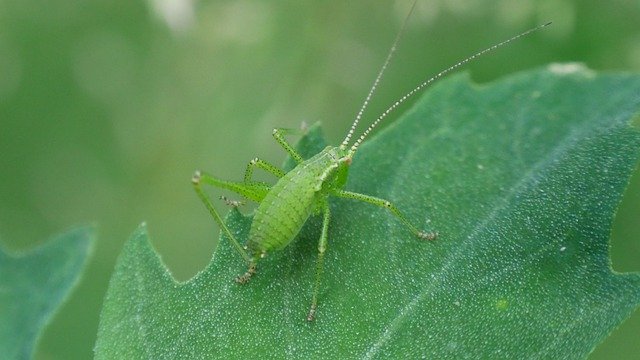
pixel 436 77
pixel 365 104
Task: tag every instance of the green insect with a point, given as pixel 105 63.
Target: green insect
pixel 285 207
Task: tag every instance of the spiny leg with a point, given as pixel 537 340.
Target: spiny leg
pixel 253 190
pixel 388 205
pixel 322 246
pixel 197 185
pixel 261 164
pixel 278 134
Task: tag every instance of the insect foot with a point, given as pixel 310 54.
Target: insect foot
pixel 244 278
pixel 427 235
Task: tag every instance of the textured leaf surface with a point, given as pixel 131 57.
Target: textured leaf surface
pixel 34 284
pixel 520 177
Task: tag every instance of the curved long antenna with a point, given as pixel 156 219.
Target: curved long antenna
pixel 365 104
pixel 436 77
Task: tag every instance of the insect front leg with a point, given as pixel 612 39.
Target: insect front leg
pixel 278 134
pixel 322 247
pixel 388 205
pixel 253 190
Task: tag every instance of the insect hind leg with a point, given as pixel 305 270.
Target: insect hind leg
pixel 251 190
pixel 197 181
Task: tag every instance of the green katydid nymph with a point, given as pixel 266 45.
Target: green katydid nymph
pixel 285 207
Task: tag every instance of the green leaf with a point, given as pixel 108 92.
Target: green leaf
pixel 34 284
pixel 520 177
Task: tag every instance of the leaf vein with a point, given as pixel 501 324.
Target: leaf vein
pixel 529 177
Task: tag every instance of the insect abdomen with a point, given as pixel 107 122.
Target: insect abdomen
pixel 286 207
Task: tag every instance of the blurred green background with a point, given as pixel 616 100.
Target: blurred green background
pixel 108 106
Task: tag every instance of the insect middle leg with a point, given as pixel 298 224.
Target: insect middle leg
pixel 322 247
pixel 388 205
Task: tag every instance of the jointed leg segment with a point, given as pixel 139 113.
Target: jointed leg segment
pixel 259 163
pixel 322 247
pixel 388 205
pixel 197 185
pixel 278 134
pixel 254 191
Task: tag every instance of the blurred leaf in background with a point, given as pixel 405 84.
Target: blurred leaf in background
pixel 108 106
pixel 33 284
